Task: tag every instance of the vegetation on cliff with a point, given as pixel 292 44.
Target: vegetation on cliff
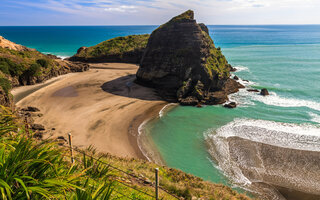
pixel 128 49
pixel 34 169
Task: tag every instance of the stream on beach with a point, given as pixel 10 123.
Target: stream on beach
pixel 269 145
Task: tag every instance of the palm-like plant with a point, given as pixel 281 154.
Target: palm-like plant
pixel 32 169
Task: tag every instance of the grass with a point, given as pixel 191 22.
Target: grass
pixel 216 64
pixel 40 169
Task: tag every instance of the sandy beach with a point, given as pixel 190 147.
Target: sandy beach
pixel 102 107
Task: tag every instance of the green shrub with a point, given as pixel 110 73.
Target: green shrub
pixel 9 67
pixel 43 62
pixel 34 70
pixel 5 84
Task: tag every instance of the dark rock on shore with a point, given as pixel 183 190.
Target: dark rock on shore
pixel 230 105
pixel 236 77
pixel 127 49
pixel 37 127
pixel 182 63
pixel 252 90
pixel 189 101
pixel 232 69
pixel 30 109
pixel 264 92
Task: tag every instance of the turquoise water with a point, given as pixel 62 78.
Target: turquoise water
pixel 283 59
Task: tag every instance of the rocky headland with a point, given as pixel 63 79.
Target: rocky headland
pixel 183 64
pixel 128 49
pixel 20 65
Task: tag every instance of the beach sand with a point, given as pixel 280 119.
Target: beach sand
pixel 102 107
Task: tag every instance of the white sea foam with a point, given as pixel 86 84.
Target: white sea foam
pixel 62 57
pixel 164 109
pixel 241 68
pixel 141 131
pixel 275 100
pixel 242 161
pixel 294 136
pixel 245 98
pixel 314 117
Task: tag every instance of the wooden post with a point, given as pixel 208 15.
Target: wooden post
pixel 157 183
pixel 70 145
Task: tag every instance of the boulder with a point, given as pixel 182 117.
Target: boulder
pixel 30 109
pixel 236 77
pixel 182 62
pixel 230 105
pixel 264 92
pixel 232 69
pixel 189 101
pixel 252 90
pixel 37 127
pixel 215 98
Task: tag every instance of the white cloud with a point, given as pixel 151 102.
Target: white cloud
pixel 143 12
pixel 122 8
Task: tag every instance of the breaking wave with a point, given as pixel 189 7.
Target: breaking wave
pixel 241 68
pixel 251 152
pixel 314 117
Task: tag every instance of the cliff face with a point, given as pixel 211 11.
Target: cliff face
pixel 127 49
pixel 181 61
pixel 20 65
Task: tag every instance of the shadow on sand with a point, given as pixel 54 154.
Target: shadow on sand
pixel 125 86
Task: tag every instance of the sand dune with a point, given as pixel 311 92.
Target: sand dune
pixel 102 107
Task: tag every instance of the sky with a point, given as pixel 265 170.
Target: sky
pixel 155 12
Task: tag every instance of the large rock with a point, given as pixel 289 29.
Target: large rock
pixel 264 92
pixel 182 62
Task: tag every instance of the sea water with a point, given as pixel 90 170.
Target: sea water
pixel 283 59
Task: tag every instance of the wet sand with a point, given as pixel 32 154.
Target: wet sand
pixel 102 107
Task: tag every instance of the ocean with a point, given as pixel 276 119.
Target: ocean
pixel 209 142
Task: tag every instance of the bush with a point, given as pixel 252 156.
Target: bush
pixel 9 67
pixel 34 70
pixel 5 84
pixel 43 62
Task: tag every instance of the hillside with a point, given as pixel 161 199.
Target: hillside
pixel 20 65
pixel 34 169
pixel 128 49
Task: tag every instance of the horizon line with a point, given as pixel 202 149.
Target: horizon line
pixel 160 25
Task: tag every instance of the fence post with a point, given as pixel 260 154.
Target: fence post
pixel 70 145
pixel 157 183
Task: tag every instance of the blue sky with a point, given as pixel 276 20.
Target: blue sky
pixel 154 12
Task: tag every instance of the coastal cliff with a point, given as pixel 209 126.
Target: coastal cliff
pixel 127 49
pixel 20 65
pixel 183 64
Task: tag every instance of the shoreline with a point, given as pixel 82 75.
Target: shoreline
pixel 96 107
pixel 145 141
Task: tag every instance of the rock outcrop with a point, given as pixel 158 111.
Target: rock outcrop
pixel 127 49
pixel 264 92
pixel 183 64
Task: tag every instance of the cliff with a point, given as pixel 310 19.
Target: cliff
pixel 183 64
pixel 127 49
pixel 20 65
